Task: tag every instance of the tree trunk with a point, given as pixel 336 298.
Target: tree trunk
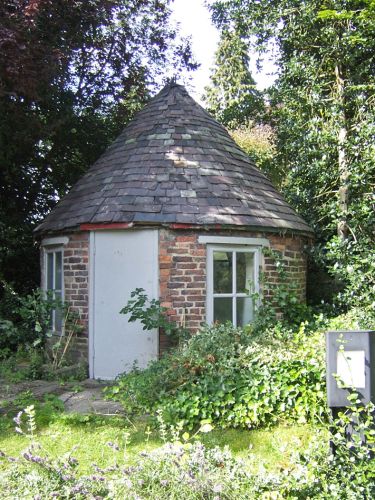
pixel 343 192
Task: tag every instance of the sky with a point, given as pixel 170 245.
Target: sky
pixel 195 21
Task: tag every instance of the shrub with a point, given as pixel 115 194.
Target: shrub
pixel 24 335
pixel 227 376
pixel 346 469
pixel 151 314
pixel 282 302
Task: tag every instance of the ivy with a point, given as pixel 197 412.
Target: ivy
pixel 231 378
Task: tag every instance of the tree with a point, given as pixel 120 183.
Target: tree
pixel 323 105
pixel 72 73
pixel 232 96
pixel 258 142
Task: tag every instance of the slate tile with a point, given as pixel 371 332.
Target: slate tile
pixel 138 200
pixel 168 209
pixel 123 217
pixel 173 192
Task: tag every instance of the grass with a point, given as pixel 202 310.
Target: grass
pixel 59 433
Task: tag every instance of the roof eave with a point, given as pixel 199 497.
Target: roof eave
pixel 39 233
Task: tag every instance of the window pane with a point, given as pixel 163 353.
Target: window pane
pixel 244 307
pixel 223 272
pixel 223 309
pixel 245 272
pixel 58 314
pixel 49 271
pixel 58 271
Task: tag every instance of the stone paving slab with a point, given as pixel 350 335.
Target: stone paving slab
pixel 84 397
pixel 88 401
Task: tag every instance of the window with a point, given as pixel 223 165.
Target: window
pixel 53 282
pixel 232 277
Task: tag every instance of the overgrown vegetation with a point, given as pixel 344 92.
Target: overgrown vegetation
pixel 28 348
pixel 254 377
pixel 72 74
pixel 232 378
pixel 268 372
pixel 321 110
pixel 25 319
pixel 151 314
pixel 312 133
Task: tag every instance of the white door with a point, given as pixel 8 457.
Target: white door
pixel 120 262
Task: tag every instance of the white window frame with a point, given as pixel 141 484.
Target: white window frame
pixel 256 251
pixel 53 249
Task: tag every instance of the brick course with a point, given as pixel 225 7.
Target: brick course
pixel 182 279
pixel 76 288
pixel 182 275
pixel 182 263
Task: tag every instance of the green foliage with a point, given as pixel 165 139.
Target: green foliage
pixel 347 469
pixel 353 262
pixel 35 313
pixel 72 74
pixel 151 314
pixel 232 96
pixel 24 335
pixel 322 111
pixel 278 301
pixel 183 467
pixel 28 318
pixel 178 469
pixel 25 364
pixel 9 337
pixel 258 142
pixel 226 376
pixel 355 319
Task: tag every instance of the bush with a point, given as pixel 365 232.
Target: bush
pixel 25 332
pixel 346 469
pixel 232 378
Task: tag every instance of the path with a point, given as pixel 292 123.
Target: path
pixel 78 397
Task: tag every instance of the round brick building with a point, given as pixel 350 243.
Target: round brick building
pixel 175 207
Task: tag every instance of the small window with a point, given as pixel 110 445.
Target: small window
pixel 54 283
pixel 232 278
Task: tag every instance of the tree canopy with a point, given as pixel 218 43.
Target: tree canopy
pixel 72 73
pixel 322 108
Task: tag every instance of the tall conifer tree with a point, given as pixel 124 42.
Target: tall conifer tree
pixel 232 96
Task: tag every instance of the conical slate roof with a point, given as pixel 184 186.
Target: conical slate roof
pixel 174 163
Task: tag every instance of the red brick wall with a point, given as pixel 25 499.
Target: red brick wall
pixel 182 262
pixel 183 272
pixel 76 286
pixel 293 255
